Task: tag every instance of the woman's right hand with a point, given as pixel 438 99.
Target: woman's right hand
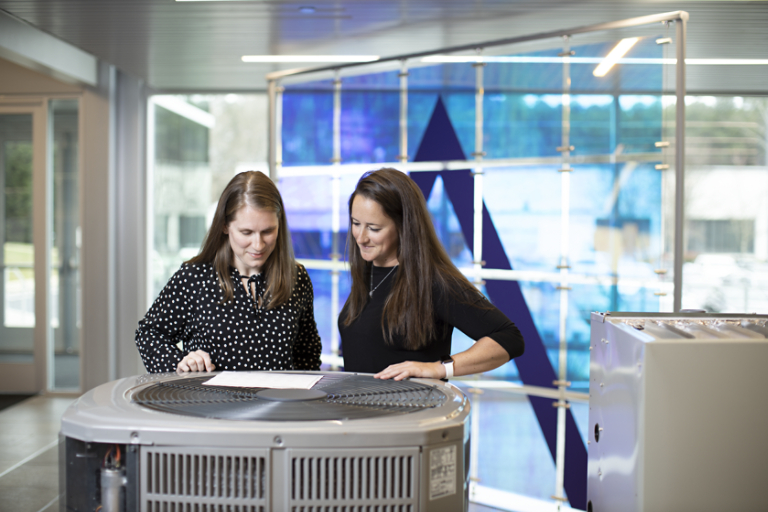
pixel 197 361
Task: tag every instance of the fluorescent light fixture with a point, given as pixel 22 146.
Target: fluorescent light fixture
pixel 310 58
pixel 184 109
pixel 614 55
pixel 727 62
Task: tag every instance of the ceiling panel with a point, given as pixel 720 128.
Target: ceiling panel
pixel 197 45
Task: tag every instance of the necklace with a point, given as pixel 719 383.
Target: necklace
pixel 370 293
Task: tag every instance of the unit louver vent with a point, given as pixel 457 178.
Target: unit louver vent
pixel 334 397
pixel 197 479
pixel 322 480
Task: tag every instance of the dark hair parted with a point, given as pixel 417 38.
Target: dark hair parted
pixel 424 265
pixel 256 190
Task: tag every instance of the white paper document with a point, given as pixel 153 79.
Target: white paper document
pixel 272 380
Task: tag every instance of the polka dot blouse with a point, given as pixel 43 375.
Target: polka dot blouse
pixel 238 335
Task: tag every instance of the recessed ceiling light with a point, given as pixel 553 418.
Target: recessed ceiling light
pixel 310 58
pixel 307 9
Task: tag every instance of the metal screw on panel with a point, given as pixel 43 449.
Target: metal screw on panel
pixel 601 384
pixel 134 438
pixel 278 441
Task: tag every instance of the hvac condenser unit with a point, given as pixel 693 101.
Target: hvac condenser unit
pixel 677 412
pixel 351 443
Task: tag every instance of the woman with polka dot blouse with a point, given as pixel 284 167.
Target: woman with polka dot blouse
pixel 243 303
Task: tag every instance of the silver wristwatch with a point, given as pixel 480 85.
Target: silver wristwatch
pixel 448 363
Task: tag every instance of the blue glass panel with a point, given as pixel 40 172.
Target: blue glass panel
pixel 582 300
pixel 442 77
pixel 524 203
pixel 525 77
pixel 385 81
pixel 307 127
pixel 645 77
pixel 593 122
pixel 447 226
pixel 516 125
pixel 639 123
pixel 307 201
pixel 311 86
pixel 461 111
pixel 369 126
pixel 617 222
pixel 321 282
pixel 420 107
pixel 512 453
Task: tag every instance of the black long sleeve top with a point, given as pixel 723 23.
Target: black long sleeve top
pixel 238 335
pixel 365 349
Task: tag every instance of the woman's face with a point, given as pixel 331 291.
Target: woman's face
pixel 252 237
pixel 374 232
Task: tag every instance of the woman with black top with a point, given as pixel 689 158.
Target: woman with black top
pixel 243 303
pixel 407 296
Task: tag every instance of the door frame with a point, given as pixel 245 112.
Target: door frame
pixel 32 377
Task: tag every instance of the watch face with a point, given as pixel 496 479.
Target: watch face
pixel 446 359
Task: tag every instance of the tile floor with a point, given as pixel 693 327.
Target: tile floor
pixel 29 470
pixel 29 435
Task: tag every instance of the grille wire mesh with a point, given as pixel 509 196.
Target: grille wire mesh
pixel 348 396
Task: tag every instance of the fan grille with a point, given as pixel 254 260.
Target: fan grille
pixel 348 396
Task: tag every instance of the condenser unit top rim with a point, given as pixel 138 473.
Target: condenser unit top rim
pixel 107 414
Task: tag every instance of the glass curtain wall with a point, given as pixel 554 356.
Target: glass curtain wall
pixel 574 172
pixel 726 230
pixel 569 167
pixel 198 143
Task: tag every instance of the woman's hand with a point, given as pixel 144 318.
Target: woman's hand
pixel 408 369
pixel 197 361
pixel 483 356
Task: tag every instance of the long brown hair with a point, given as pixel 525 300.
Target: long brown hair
pixel 256 190
pixel 424 266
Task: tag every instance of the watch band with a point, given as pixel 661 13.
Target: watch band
pixel 448 364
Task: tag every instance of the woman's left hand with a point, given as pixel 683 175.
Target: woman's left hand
pixel 408 369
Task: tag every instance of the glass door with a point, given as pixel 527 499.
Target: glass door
pixel 23 256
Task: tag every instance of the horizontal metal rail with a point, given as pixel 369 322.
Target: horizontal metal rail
pixel 530 276
pixel 631 22
pixel 520 389
pixel 462 165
